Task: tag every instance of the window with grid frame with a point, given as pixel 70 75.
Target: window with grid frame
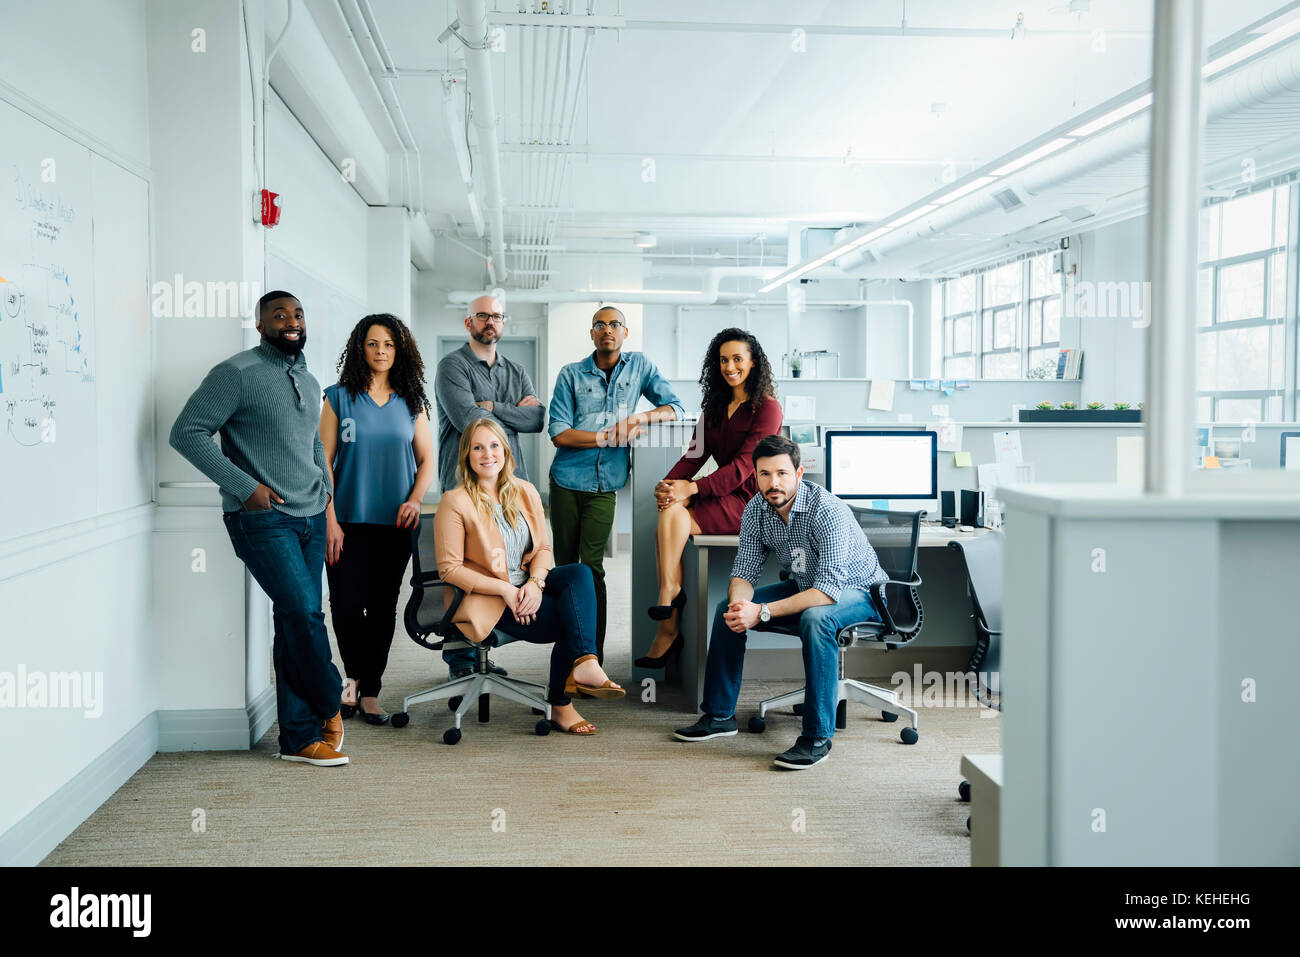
pixel 1018 305
pixel 1241 307
pixel 959 311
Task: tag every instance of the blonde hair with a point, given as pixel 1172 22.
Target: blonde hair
pixel 509 490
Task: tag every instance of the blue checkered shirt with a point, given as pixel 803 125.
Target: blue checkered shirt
pixel 823 547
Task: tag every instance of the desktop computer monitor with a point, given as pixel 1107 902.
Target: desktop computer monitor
pixel 882 464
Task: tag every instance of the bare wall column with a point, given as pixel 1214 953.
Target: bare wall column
pixel 1171 241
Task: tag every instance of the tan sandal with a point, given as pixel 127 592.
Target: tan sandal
pixel 608 691
pixel 573 728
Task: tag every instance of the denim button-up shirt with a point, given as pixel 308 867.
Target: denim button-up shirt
pixel 583 400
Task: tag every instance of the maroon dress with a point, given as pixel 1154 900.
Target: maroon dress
pixel 724 493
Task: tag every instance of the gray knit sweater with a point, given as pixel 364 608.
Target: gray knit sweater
pixel 266 407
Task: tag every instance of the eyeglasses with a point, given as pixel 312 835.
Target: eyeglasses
pixel 496 317
pixel 613 324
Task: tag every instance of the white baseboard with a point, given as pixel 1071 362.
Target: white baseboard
pixel 29 841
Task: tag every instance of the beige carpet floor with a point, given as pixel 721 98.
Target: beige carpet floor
pixel 628 795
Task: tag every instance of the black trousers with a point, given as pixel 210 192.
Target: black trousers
pixel 364 585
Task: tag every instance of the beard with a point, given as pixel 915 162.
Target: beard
pixel 778 503
pixel 486 337
pixel 288 346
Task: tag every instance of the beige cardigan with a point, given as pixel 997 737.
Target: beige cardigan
pixel 471 555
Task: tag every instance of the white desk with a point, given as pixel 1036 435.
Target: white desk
pixel 932 536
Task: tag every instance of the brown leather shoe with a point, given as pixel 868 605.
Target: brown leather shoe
pixel 318 753
pixel 332 731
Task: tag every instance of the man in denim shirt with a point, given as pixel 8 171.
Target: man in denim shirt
pixel 815 537
pixel 592 423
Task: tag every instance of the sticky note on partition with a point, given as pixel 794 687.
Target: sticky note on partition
pixel 1212 462
pixel 961 460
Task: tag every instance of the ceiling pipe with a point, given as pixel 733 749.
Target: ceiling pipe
pixel 1257 82
pixel 708 295
pixel 473 17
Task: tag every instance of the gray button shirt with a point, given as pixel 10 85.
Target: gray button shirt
pixel 464 379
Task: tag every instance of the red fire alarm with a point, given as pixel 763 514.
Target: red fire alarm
pixel 265 209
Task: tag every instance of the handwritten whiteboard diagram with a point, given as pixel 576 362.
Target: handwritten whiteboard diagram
pixel 50 427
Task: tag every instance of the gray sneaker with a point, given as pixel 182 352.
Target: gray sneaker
pixel 709 726
pixel 805 753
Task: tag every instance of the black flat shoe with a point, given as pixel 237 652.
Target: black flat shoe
pixel 664 612
pixel 674 650
pixel 381 718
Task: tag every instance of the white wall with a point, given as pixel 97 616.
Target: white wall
pixel 77 598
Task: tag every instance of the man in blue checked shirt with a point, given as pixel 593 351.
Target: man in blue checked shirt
pixel 592 423
pixel 818 541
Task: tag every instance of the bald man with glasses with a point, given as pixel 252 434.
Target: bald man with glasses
pixel 476 382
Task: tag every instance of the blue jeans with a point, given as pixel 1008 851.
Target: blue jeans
pixel 285 555
pixel 819 627
pixel 567 617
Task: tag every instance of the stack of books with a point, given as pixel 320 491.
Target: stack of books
pixel 1069 364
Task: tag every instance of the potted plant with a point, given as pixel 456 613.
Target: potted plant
pixel 1095 414
pixel 796 363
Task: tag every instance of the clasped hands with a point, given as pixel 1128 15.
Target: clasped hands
pixel 523 601
pixel 669 491
pixel 740 616
pixel 621 432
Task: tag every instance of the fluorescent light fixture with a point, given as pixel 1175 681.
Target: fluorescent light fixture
pixel 914 214
pixel 1114 116
pixel 1033 156
pixel 961 191
pixel 1270 39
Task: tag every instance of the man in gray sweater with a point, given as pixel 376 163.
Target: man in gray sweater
pixel 274 485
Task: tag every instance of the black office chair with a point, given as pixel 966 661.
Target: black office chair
pixel 894 536
pixel 428 622
pixel 982 558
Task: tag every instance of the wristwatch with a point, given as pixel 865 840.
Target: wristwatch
pixel 541 582
pixel 764 614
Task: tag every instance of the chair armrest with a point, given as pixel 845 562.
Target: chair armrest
pixel 457 597
pixel 877 592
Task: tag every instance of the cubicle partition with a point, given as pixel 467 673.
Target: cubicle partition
pixel 1059 452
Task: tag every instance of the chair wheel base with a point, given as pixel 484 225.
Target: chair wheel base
pixel 757 724
pixel 400 720
pixel 888 716
pixel 963 790
pixel 454 702
pixel 909 736
pixel 543 727
pixel 451 736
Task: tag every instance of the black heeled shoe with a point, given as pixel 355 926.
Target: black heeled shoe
pixel 664 612
pixel 348 710
pixel 674 650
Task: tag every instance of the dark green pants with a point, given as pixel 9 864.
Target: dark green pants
pixel 581 523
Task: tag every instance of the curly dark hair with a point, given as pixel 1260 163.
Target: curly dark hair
pixel 407 374
pixel 717 394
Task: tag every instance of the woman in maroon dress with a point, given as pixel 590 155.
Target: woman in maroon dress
pixel 739 408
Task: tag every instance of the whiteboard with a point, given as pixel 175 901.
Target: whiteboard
pixel 74 430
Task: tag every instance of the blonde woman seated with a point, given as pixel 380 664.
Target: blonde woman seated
pixel 492 543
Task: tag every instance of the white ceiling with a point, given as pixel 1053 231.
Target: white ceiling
pixel 749 133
